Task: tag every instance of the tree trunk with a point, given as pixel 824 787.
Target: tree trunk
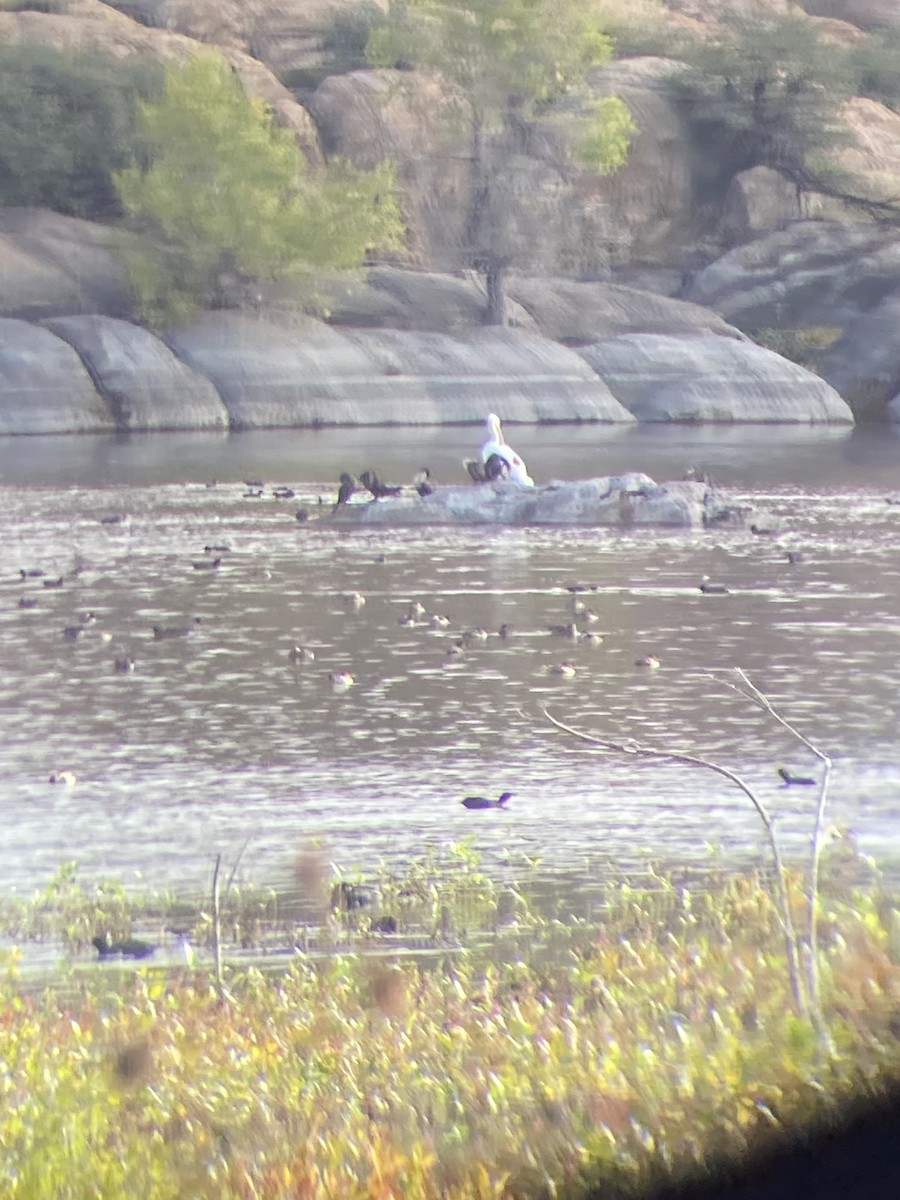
pixel 478 189
pixel 495 275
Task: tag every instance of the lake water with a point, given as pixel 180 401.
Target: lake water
pixel 217 741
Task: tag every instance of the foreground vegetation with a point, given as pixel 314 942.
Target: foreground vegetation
pixel 555 1057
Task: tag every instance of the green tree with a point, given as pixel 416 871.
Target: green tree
pixel 68 127
pixel 224 194
pixel 508 60
pixel 767 92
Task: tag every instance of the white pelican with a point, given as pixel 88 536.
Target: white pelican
pixel 497 445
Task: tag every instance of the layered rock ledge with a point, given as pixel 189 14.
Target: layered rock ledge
pixel 619 501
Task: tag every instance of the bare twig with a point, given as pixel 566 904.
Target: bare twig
pixel 237 863
pixel 217 924
pixel 747 688
pixel 629 746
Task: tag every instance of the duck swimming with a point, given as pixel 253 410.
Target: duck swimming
pixel 301 654
pixel 472 636
pixel 484 802
pixel 708 588
pixel 341 680
pixel 569 631
pixel 160 632
pixel 497 446
pixel 125 948
pixel 565 669
pixel 67 778
pixel 802 780
pixel 648 661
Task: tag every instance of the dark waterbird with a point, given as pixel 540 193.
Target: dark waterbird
pixel 379 490
pixel 349 897
pixel 493 468
pixel 484 802
pixel 172 631
pixel 204 564
pixel 712 589
pixel 123 948
pixel 422 482
pixel 345 490
pixel 32 572
pixel 801 780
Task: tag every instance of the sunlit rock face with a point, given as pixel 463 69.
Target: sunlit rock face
pixel 44 385
pixel 621 501
pixel 712 379
pixel 145 385
pixel 311 374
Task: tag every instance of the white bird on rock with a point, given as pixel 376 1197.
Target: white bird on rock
pixel 496 445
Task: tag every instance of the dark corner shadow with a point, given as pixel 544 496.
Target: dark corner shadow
pixel 853 1155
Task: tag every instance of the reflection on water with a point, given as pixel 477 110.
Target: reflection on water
pixel 216 737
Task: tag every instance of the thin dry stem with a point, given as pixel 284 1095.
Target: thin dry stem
pixel 749 689
pixel 217 923
pixel 629 746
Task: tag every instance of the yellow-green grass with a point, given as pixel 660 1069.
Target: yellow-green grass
pixel 563 1055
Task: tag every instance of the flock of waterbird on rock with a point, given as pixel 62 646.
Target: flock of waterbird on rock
pixel 498 461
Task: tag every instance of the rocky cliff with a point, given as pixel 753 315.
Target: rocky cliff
pixel 636 305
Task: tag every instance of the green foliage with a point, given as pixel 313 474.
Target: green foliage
pixel 605 144
pixel 801 344
pixel 70 912
pixel 767 92
pixel 68 126
pixel 507 60
pixel 225 192
pixel 499 52
pixel 876 60
pixel 638 27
